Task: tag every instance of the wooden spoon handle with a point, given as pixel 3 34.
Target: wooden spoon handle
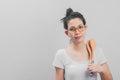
pixel 93 45
pixel 88 49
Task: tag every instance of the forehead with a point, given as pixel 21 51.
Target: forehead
pixel 75 22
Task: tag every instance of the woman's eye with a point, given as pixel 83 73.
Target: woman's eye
pixel 80 27
pixel 72 29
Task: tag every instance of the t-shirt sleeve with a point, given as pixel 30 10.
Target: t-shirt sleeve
pixel 101 57
pixel 58 60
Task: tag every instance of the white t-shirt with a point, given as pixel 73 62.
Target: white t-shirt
pixel 75 70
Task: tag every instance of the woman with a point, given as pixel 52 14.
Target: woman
pixel 72 62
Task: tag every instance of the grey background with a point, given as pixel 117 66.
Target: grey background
pixel 31 33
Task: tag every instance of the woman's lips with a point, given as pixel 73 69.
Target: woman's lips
pixel 77 37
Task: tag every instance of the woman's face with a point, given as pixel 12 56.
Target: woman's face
pixel 76 30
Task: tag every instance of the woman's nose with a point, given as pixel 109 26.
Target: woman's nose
pixel 77 31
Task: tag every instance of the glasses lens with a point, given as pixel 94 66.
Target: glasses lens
pixel 80 28
pixel 72 29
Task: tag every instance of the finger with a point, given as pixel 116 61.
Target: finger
pixel 91 65
pixel 92 69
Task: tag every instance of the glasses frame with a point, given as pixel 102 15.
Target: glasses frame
pixel 81 28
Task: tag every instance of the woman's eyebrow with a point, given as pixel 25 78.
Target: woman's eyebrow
pixel 80 25
pixel 72 26
pixel 77 25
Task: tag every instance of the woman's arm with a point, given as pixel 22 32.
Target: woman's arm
pixel 59 73
pixel 103 70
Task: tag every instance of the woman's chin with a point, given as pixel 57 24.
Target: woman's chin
pixel 79 40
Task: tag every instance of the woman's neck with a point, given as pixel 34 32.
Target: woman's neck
pixel 78 46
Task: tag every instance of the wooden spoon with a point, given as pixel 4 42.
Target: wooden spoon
pixel 92 45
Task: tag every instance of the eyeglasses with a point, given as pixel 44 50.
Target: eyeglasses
pixel 79 28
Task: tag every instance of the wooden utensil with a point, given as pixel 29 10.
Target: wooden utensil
pixel 91 44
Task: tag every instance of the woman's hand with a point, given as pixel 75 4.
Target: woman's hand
pixel 93 68
pixel 103 69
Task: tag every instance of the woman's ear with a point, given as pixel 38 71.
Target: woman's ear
pixel 66 32
pixel 86 27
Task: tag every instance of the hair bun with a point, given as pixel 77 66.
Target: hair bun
pixel 68 11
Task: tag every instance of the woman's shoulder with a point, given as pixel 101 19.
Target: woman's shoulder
pixel 60 52
pixel 98 49
pixel 100 56
pixel 98 52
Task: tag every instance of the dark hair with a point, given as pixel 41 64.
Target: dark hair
pixel 71 15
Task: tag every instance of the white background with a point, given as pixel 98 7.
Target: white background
pixel 31 33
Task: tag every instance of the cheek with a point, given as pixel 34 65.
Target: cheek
pixel 71 35
pixel 84 33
